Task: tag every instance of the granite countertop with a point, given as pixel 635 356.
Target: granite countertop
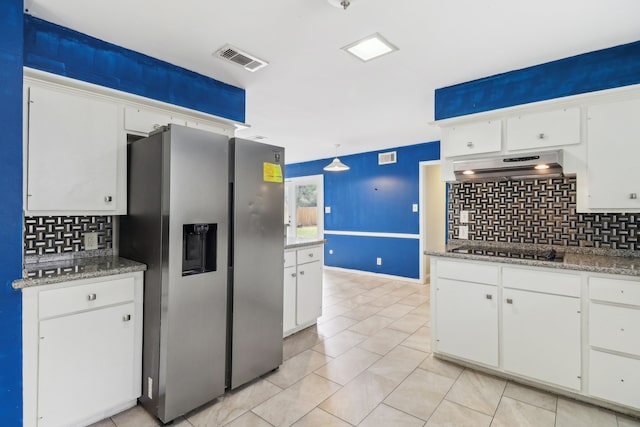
pixel 48 271
pixel 609 261
pixel 294 243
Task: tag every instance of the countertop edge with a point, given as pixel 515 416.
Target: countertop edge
pixel 534 263
pixel 303 244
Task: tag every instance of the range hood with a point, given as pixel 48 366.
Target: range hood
pixel 546 164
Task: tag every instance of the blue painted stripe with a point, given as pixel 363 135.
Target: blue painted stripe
pixel 589 72
pixel 59 50
pixel 11 22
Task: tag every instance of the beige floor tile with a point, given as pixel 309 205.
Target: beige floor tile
pixel 104 423
pixel 248 419
pixel 531 396
pixel 347 366
pixel 420 340
pixel 396 311
pixel 232 405
pixel 362 299
pixel 415 299
pixel 299 342
pixel 628 422
pixel 371 325
pixel 477 391
pixel 404 291
pixel 294 369
pixel 135 417
pixel 329 300
pixel 398 363
pixel 181 422
pixel 513 412
pixel 332 311
pixel 287 407
pixel 409 323
pixel 359 397
pixel 422 309
pixel 383 341
pixel 571 413
pixel 420 393
pixel 362 312
pixel 320 418
pixel 376 293
pixel 386 416
pixel 451 414
pixel 385 300
pixel 338 344
pixel 442 367
pixel 334 326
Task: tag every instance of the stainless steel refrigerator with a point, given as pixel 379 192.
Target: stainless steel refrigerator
pixel 205 215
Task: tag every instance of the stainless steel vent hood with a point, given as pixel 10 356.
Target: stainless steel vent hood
pixel 546 164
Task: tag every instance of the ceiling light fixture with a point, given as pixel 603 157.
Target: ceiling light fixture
pixel 371 47
pixel 336 165
pixel 340 3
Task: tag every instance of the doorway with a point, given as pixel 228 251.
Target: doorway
pixel 304 208
pixel 433 221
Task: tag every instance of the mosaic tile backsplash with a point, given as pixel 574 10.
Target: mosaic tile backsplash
pixel 49 235
pixel 537 211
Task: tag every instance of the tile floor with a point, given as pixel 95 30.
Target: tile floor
pixel 368 363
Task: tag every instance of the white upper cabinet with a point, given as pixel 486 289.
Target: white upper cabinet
pixel 472 138
pixel 613 147
pixel 144 121
pixel 540 130
pixel 76 154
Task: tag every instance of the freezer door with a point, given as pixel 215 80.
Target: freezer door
pixel 258 251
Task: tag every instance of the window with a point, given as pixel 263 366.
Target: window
pixel 304 207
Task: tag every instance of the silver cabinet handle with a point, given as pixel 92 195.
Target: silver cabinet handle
pixel 541 136
pixel 126 317
pixel 108 199
pixel 310 255
pixel 293 274
pixel 509 301
pixel 488 296
pixel 470 144
pixel 91 297
pixel 302 273
pixel 633 196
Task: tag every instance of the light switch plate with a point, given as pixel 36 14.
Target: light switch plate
pixel 414 207
pixel 327 209
pixel 463 232
pixel 464 217
pixel 90 241
pixel 378 261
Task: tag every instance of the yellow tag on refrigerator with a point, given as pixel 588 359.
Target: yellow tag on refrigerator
pixel 272 172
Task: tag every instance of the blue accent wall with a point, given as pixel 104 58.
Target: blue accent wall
pixel 11 22
pixel 376 199
pixel 599 70
pixel 59 50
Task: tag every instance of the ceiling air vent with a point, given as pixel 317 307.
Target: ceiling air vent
pixel 387 158
pixel 244 59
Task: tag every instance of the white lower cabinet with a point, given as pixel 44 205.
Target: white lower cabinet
pixel 614 378
pixel 302 304
pixel 83 357
pixel 541 336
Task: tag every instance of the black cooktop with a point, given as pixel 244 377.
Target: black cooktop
pixel 537 255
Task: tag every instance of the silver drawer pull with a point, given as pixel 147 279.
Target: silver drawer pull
pixel 310 255
pixel 293 274
pixel 108 199
pixel 488 296
pixel 470 144
pixel 633 196
pixel 509 301
pixel 541 136
pixel 302 273
pixel 91 297
pixel 126 317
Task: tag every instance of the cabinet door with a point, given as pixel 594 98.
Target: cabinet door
pixel 467 320
pixel 548 129
pixel 473 138
pixel 289 299
pixel 144 121
pixel 541 337
pixel 73 151
pixel 86 364
pixel 614 378
pixel 309 298
pixel 612 153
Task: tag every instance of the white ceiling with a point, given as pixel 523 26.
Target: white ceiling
pixel 314 95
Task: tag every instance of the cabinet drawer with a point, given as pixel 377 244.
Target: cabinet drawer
pixel 614 290
pixel 614 328
pixel 541 281
pixel 290 259
pixel 614 378
pixel 310 254
pixel 468 271
pixel 85 297
pixel 548 129
pixel 472 138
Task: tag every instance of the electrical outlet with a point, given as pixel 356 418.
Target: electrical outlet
pixel 90 241
pixel 330 251
pixel 327 209
pixel 378 261
pixel 463 232
pixel 414 207
pixel 464 217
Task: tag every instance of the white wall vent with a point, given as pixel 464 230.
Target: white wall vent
pixel 387 158
pixel 245 60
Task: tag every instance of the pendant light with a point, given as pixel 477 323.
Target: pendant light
pixel 336 165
